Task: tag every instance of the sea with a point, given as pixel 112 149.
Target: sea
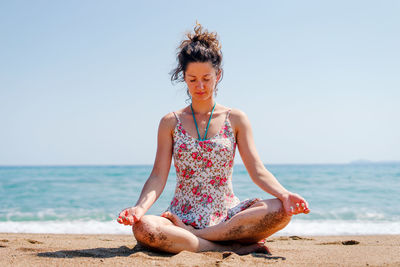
pixel 344 199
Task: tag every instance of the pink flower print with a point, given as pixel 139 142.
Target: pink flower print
pixel 198 193
pixel 201 144
pixel 192 172
pixel 183 146
pixel 174 202
pixel 200 217
pixel 183 208
pixel 185 221
pixel 187 176
pixel 230 163
pixel 189 208
pixel 198 158
pixel 180 150
pixel 204 159
pixel 180 186
pixel 209 163
pixel 209 150
pixel 194 190
pixel 180 127
pixel 217 177
pixel 225 136
pixel 183 172
pixel 179 155
pixel 210 199
pixel 177 168
pixel 204 146
pixel 194 155
pixel 183 131
pixel 212 182
pixel 204 195
pixel 193 224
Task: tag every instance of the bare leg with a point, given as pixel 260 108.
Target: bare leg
pixel 161 234
pixel 261 220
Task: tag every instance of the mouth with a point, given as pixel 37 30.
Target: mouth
pixel 200 93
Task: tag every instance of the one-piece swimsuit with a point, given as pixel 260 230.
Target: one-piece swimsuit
pixel 204 195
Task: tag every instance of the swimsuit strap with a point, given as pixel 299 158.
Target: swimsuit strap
pixel 208 124
pixel 176 116
pixel 227 114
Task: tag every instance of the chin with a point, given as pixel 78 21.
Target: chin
pixel 201 97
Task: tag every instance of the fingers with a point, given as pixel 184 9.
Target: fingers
pixel 125 217
pixel 299 207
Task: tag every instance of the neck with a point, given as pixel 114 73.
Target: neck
pixel 203 107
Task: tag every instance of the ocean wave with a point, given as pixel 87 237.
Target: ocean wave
pixel 56 215
pixel 340 227
pixel 66 227
pixel 295 227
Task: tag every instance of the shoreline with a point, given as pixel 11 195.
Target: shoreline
pixel 21 249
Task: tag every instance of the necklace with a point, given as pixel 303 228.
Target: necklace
pixel 208 124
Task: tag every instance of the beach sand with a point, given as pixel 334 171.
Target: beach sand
pixel 122 250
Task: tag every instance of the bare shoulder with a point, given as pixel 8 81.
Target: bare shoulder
pixel 238 119
pixel 168 122
pixel 238 116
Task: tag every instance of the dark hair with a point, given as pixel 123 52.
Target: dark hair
pixel 200 46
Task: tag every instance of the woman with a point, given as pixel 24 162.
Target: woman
pixel 204 209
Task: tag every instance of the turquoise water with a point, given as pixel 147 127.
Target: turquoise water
pixel 344 199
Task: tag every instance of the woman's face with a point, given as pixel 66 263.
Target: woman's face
pixel 201 79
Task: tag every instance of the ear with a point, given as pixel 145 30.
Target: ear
pixel 219 73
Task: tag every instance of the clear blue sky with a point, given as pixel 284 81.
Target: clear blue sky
pixel 86 82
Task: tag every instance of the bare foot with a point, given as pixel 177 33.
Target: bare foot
pixel 252 248
pixel 176 221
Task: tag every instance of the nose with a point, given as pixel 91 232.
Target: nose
pixel 200 85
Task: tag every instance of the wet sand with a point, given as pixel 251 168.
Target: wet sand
pixel 122 250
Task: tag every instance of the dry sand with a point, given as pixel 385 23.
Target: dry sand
pixel 122 250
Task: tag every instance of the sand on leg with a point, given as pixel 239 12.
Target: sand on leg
pixel 259 221
pixel 161 234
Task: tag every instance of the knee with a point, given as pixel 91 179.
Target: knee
pixel 275 212
pixel 145 231
pixel 283 217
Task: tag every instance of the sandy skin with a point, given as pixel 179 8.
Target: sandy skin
pixel 122 250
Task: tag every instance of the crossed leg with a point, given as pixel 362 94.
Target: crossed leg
pixel 245 229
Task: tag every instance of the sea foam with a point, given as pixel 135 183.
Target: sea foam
pixel 296 227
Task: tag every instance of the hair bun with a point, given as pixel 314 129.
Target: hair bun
pixel 204 37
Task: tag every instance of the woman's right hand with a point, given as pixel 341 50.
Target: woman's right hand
pixel 130 215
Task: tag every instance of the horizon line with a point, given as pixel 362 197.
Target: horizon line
pixel 357 162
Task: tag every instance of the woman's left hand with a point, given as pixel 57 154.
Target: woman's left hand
pixel 294 204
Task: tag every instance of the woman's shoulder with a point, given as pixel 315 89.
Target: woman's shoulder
pixel 238 116
pixel 168 121
pixel 238 119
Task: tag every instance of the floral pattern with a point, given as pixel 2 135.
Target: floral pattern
pixel 203 194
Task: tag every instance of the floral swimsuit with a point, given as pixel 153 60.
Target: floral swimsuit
pixel 203 194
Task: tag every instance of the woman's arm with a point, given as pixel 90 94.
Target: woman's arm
pixel 256 169
pixel 155 184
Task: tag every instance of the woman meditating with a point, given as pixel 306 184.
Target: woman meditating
pixel 205 214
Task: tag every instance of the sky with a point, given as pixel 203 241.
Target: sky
pixel 87 82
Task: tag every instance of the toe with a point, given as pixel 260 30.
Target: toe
pixel 262 248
